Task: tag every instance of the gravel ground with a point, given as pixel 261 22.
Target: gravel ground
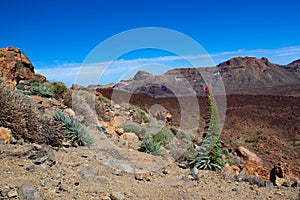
pixel 78 173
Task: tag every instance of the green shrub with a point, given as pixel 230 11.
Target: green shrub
pixel 59 87
pixel 1 54
pixel 233 161
pixel 41 90
pixel 151 147
pixel 104 100
pixel 34 81
pixel 131 127
pixel 74 129
pixel 162 136
pixel 21 86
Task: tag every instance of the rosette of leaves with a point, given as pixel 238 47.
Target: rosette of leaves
pixel 74 129
pixel 151 147
pixel 209 154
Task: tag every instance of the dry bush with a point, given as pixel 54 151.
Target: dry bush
pixel 19 114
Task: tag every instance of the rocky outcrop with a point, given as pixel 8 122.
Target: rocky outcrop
pixel 5 135
pixel 16 67
pixel 280 174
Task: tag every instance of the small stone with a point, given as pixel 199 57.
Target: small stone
pixel 43 183
pixel 279 193
pixel 30 168
pixel 279 181
pixel 4 192
pixel 142 177
pixel 117 106
pixel 13 140
pixel 66 143
pixel 12 194
pixel 194 171
pixel 234 189
pixel 295 183
pixel 26 191
pixel 182 165
pixel 192 177
pixel 116 195
pixel 105 198
pixel 84 156
pixel 63 188
pixel 165 172
pixel 20 141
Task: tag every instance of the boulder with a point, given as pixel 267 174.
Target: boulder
pixel 279 174
pixel 248 155
pixel 132 139
pixel 255 169
pixel 5 135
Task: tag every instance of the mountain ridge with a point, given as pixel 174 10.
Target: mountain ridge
pixel 240 75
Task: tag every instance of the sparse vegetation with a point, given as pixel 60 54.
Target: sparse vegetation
pixel 132 127
pixel 151 147
pixel 75 130
pixel 19 114
pixel 1 54
pixel 162 136
pixel 233 161
pixel 104 100
pixel 41 90
pixel 21 86
pixel 59 88
pixel 34 80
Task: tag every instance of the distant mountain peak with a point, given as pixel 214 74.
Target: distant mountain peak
pixel 246 62
pixel 141 75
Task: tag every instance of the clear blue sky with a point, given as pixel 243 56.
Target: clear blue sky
pixel 57 32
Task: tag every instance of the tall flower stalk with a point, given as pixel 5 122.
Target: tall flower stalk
pixel 209 154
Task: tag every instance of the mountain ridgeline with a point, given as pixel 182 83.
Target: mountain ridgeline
pixel 240 75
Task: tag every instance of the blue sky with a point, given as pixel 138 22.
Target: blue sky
pixel 57 36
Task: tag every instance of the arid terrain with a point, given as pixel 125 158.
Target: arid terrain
pixel 74 143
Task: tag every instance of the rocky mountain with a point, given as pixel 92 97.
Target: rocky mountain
pixel 240 75
pixel 16 67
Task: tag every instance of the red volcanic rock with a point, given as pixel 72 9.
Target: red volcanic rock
pixel 15 66
pixel 248 155
pixel 255 169
pixel 280 173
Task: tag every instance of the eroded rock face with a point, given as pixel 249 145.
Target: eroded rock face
pixel 15 67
